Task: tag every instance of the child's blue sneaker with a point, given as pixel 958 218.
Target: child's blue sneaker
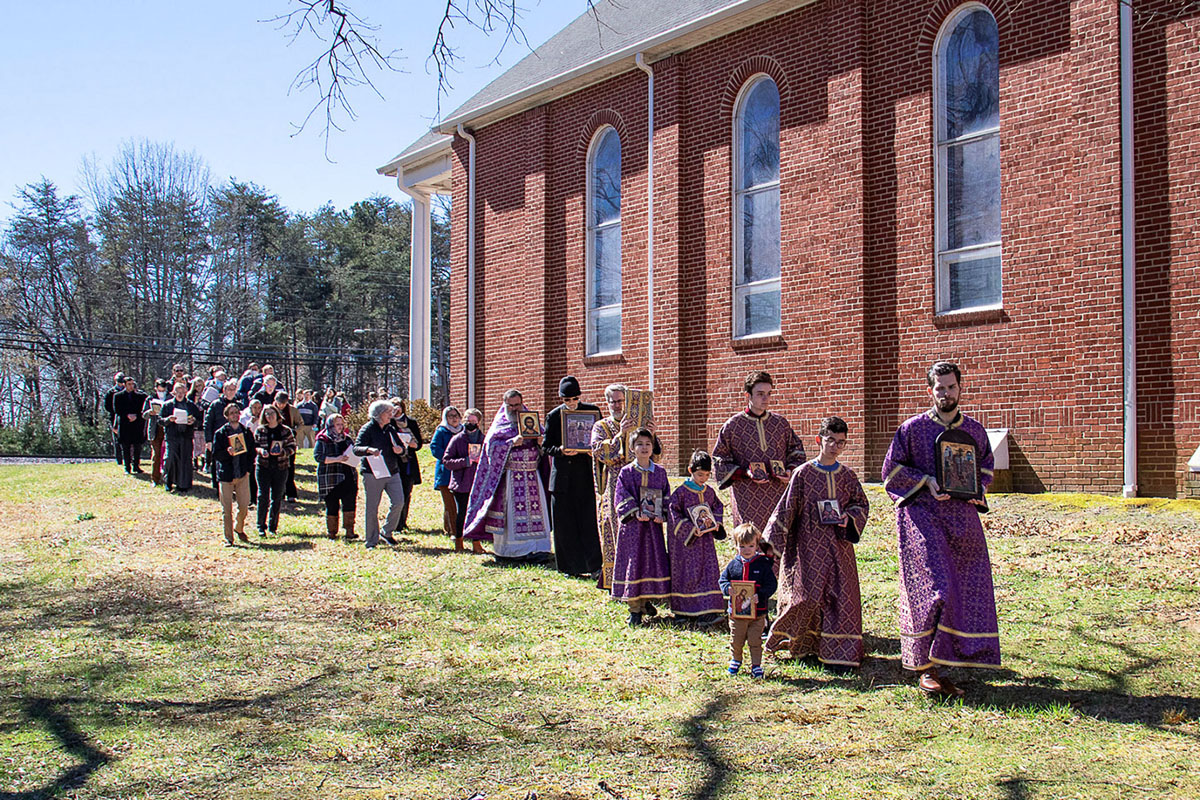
pixel 756 671
pixel 734 666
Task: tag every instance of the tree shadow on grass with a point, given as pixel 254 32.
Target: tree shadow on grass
pixel 285 547
pixel 716 767
pixel 52 713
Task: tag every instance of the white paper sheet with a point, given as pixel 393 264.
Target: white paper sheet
pixel 378 467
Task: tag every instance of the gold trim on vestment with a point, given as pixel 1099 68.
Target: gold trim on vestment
pixel 895 471
pixel 698 594
pixel 963 664
pixel 837 635
pixel 839 663
pixel 941 627
pixel 914 490
pixel 927 665
pixel 920 635
pixel 640 580
pixel 986 471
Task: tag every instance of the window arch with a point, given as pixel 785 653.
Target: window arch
pixel 604 242
pixel 967 160
pixel 756 246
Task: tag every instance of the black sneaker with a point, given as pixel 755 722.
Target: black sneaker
pixel 389 539
pixel 635 619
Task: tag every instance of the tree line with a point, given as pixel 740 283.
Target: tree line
pixel 157 264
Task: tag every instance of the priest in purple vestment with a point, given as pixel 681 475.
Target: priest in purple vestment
pixel 508 502
pixel 947 603
pixel 755 454
pixel 813 529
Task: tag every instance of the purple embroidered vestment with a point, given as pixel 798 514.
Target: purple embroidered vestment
pixel 744 439
pixel 695 570
pixel 820 607
pixel 947 603
pixel 640 568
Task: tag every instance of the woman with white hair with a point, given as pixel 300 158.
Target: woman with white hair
pixel 375 439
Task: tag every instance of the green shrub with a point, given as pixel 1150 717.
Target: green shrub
pixel 72 437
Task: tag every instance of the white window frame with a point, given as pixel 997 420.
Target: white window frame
pixel 740 291
pixel 591 229
pixel 945 257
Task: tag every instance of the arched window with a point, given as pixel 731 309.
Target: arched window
pixel 604 243
pixel 756 209
pixel 967 160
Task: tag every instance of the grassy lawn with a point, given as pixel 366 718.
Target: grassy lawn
pixel 139 658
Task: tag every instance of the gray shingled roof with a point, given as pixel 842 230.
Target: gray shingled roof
pixel 609 26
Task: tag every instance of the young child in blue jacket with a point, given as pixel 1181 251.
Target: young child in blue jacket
pixel 749 565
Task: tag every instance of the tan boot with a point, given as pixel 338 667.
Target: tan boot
pixel 331 525
pixel 348 524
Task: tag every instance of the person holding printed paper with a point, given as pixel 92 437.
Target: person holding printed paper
pixel 337 478
pixel 181 419
pixel 380 469
pixel 408 433
pixel 748 565
pixel 813 530
pixel 155 430
pixel 276 445
pixel 461 459
pixel 233 470
pixel 693 523
pixel 641 572
pixel 747 445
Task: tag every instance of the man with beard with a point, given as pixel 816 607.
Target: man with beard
pixel 947 603
pixel 747 445
pixel 130 427
pixel 572 493
pixel 508 505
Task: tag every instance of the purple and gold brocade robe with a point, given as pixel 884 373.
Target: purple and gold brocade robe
pixel 947 603
pixel 743 439
pixel 610 457
pixel 820 606
pixel 640 567
pixel 695 569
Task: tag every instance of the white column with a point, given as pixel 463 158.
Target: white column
pixel 420 287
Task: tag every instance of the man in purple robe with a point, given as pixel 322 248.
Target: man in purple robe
pixel 755 453
pixel 947 603
pixel 508 503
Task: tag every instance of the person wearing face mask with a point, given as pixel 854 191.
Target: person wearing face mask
pixel 337 481
pixel 508 503
pixel 180 431
pixel 275 444
pixel 291 418
pixel 572 491
pixel 460 460
pixel 155 429
pixel 410 470
pixel 451 425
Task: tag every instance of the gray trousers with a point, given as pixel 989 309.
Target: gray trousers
pixel 374 489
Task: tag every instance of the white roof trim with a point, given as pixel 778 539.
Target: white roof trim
pixel 432 150
pixel 450 124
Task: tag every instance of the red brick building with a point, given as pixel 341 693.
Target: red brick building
pixel 842 192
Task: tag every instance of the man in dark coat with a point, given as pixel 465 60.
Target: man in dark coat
pixel 130 424
pixel 118 386
pixel 572 491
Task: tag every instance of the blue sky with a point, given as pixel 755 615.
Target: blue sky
pixel 80 77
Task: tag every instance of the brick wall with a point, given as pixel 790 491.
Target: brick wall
pixel 859 327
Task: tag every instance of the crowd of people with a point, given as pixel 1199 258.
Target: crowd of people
pixel 605 510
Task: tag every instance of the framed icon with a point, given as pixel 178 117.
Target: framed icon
pixel 237 443
pixel 758 471
pixel 958 465
pixel 741 600
pixel 474 451
pixel 652 503
pixel 529 424
pixel 577 431
pixel 778 470
pixel 830 512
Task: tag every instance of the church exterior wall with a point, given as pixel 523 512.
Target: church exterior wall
pixel 859 326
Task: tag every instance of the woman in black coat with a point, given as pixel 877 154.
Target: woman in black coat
pixel 179 438
pixel 410 470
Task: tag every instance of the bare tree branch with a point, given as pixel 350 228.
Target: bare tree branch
pixel 353 53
